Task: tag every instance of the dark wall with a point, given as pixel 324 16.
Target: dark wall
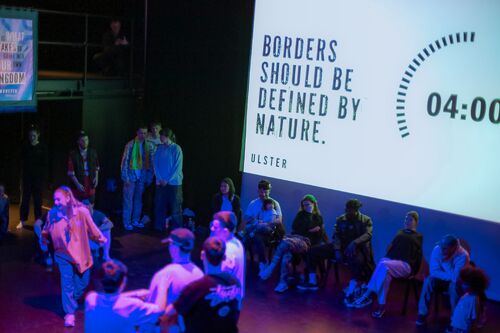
pixel 198 58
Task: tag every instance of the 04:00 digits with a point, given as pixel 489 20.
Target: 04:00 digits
pixel 478 108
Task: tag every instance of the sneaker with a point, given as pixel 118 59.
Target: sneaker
pixel 69 320
pixel 362 302
pixel 138 224
pixel 308 286
pixel 145 220
pixel 281 287
pixel 378 314
pixel 349 301
pixel 421 320
pixel 128 227
pixel 20 225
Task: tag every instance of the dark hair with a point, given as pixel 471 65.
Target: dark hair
pixel 81 134
pixel 169 134
pixel 353 204
pixel 154 123
pixel 227 219
pixel 141 126
pixel 266 202
pixel 413 214
pixel 111 275
pixel 264 185
pixel 232 189
pixel 476 278
pixel 214 249
pixel 34 128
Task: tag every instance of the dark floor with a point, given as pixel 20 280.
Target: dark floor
pixel 30 296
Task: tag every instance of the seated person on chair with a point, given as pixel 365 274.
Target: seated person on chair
pixel 262 232
pixel 447 259
pixel 402 260
pixel 470 307
pixel 351 242
pixel 308 230
pixel 105 225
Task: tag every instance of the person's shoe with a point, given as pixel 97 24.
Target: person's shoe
pixel 128 227
pixel 262 266
pixel 20 225
pixel 362 302
pixel 308 286
pixel 349 300
pixel 281 287
pixel 145 220
pixel 69 320
pixel 421 319
pixel 378 313
pixel 138 224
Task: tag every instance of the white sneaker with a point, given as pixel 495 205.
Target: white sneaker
pixel 281 287
pixel 69 320
pixel 20 225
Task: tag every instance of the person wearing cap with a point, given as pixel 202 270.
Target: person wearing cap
pixel 136 174
pixel 402 260
pixel 112 310
pixel 83 169
pixel 34 165
pixel 307 230
pixel 447 259
pixel 351 243
pixel 167 162
pixel 223 226
pixel 105 225
pixel 168 283
pixel 263 230
pixel 212 303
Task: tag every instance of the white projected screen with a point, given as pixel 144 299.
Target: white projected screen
pixel 396 100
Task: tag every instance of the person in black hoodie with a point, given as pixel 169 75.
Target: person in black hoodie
pixel 402 260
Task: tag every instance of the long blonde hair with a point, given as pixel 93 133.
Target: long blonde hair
pixel 72 203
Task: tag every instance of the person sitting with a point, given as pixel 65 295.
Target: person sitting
pixel 447 259
pixel 402 260
pixel 226 199
pixel 351 242
pixel 470 307
pixel 212 303
pixel 223 226
pixel 308 230
pixel 111 310
pixel 105 225
pixel 262 232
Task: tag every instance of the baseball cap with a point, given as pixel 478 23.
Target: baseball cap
pixel 181 237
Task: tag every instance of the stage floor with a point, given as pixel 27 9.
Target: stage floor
pixel 30 296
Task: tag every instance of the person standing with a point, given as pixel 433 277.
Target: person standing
pixel 153 138
pixel 70 227
pixel 83 169
pixel 136 173
pixel 34 161
pixel 168 171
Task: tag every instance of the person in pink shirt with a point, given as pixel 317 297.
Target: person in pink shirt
pixel 70 227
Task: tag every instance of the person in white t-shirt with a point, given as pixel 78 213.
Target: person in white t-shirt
pixel 223 226
pixel 167 283
pixel 114 311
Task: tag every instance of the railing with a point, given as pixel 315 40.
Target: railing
pixel 87 44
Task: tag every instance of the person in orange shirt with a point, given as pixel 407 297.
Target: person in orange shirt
pixel 70 227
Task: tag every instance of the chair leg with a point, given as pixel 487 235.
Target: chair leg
pixel 407 293
pixel 336 267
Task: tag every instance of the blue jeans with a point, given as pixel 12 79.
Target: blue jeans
pixel 432 286
pixel 73 284
pixel 168 203
pixel 132 201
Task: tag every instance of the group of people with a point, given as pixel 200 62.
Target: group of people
pixel 180 294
